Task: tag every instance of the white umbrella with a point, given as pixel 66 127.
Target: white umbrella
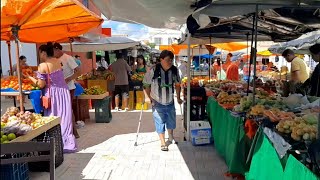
pixel 101 43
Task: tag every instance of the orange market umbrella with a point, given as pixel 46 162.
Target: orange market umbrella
pixel 231 46
pixel 39 21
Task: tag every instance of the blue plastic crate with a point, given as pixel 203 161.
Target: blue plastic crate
pixel 19 171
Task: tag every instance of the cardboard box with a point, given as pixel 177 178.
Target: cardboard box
pixel 131 100
pixel 139 96
pixel 200 132
pixel 139 106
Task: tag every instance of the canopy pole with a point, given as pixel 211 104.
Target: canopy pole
pixel 15 30
pixel 71 48
pixel 210 59
pixel 251 52
pixel 188 88
pixel 10 58
pixel 249 63
pixel 255 54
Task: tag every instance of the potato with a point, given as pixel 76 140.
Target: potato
pixel 300 132
pixel 312 136
pixel 306 136
pixel 287 131
pixel 281 130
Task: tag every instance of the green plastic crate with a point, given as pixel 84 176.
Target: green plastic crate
pixel 102 110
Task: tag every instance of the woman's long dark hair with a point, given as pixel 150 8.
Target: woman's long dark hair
pixel 141 57
pixel 48 48
pixel 219 61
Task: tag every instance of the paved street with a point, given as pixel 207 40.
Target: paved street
pixel 107 151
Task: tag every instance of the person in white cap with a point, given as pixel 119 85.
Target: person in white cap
pixel 183 67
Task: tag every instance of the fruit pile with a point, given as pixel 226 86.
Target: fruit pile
pixel 98 75
pixel 276 115
pixel 301 128
pixel 137 77
pixel 256 110
pixel 12 82
pixel 94 90
pixel 15 123
pixel 226 98
pixel 196 81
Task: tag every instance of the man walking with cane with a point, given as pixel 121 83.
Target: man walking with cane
pixel 160 82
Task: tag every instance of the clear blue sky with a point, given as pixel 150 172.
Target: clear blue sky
pixel 137 31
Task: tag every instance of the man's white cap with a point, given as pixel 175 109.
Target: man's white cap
pixel 185 59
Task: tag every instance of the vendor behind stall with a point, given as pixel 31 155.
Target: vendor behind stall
pixel 233 71
pixel 315 77
pixel 23 64
pixel 140 66
pixel 228 62
pixel 299 70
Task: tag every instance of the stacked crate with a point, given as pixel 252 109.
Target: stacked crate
pixel 197 105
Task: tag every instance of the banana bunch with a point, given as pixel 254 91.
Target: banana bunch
pixel 94 90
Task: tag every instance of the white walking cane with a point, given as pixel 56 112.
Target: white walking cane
pixel 136 144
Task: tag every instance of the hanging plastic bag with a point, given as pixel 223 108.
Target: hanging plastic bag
pixel 221 75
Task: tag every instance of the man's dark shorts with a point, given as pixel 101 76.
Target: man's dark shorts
pixel 122 90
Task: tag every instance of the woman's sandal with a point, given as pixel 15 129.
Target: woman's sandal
pixel 164 148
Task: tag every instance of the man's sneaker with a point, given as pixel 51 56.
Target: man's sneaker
pixel 117 109
pixel 126 109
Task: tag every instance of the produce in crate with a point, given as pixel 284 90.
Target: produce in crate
pixel 15 123
pixel 299 129
pixel 225 98
pixel 94 90
pixel 98 75
pixel 276 114
pixel 257 110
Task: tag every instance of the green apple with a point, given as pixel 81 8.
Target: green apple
pixel 4 138
pixel 11 136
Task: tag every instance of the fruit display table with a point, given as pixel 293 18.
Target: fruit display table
pixel 38 131
pixel 229 137
pixel 233 145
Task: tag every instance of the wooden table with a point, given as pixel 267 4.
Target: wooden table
pixel 36 132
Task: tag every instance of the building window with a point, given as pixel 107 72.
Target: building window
pixel 85 3
pixel 158 41
pixel 169 41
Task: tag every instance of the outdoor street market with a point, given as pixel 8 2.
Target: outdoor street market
pixel 158 89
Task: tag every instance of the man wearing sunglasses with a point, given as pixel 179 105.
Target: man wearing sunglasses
pixel 160 82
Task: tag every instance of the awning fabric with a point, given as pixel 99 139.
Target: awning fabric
pixel 100 43
pixel 169 14
pixel 278 21
pixel 300 45
pixel 41 21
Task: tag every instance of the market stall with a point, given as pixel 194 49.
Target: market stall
pixel 268 133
